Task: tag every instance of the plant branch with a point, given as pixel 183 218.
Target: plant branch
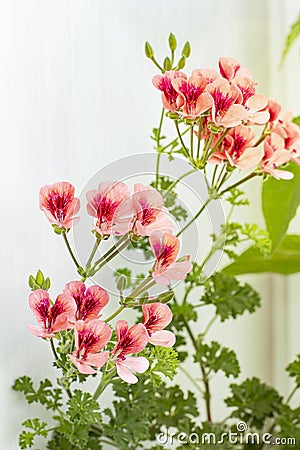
pixel 70 250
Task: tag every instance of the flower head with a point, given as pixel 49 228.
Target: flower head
pixel 103 203
pixel 89 301
pixel 156 316
pixel 143 212
pixel 90 339
pixel 165 247
pixel 170 97
pixel 196 101
pixel 59 204
pixel 52 319
pixel 230 68
pixel 130 340
pixel 275 156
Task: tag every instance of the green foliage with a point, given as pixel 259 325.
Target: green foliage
pixel 285 259
pixel 37 427
pixel 215 357
pixel 46 395
pixel 194 277
pixel 82 412
pixel 296 120
pixel 39 281
pixel 290 39
pixel 280 201
pixel 258 236
pixel 253 402
pixel 181 314
pixel 288 421
pixel 235 198
pixel 294 370
pixel 162 361
pixel 229 296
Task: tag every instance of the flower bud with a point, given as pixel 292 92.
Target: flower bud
pixel 144 298
pixel 121 283
pixel 149 52
pixel 172 42
pixel 186 51
pixel 181 63
pixel 167 63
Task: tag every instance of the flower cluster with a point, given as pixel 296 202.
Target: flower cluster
pixel 79 309
pixel 224 105
pixel 119 213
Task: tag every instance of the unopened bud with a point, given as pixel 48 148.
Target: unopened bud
pixel 172 42
pixel 167 63
pixel 186 51
pixel 149 52
pixel 121 283
pixel 181 62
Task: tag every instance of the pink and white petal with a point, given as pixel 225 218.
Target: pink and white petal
pixel 137 339
pixel 163 338
pixel 257 102
pixel 138 364
pixel 162 314
pixel 39 303
pixel 82 367
pixel 161 223
pixel 233 117
pixel 125 373
pixel 260 117
pixel 179 270
pixel 97 359
pixel 204 103
pixel 75 288
pixel 39 331
pixel 100 329
pixel 99 295
pixel 161 278
pixel 250 158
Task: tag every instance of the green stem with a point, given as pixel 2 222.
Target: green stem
pixel 118 311
pixel 89 261
pixel 172 185
pixel 140 288
pixel 174 141
pixel 105 380
pixel 108 256
pixel 210 323
pixel 199 137
pixel 113 248
pixel 192 380
pixel 157 65
pixel 158 137
pixel 105 441
pixel 206 148
pixel 186 152
pixel 70 250
pixel 238 183
pixel 192 142
pixel 291 394
pixel 219 141
pixel 195 217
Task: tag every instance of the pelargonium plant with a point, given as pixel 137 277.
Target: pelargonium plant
pixel 228 133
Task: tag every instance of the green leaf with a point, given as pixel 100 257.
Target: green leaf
pixel 253 401
pixel 285 260
pixel 229 296
pixel 215 357
pixel 26 438
pixel 293 370
pixel 288 421
pixel 162 361
pixel 280 200
pixel 181 314
pixel 45 394
pixel 296 120
pixel 290 39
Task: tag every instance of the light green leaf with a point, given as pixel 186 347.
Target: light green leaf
pixel 280 200
pixel 294 33
pixel 285 260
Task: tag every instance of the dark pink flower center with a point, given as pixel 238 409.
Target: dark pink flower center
pixel 169 91
pixel 167 255
pixel 105 208
pixel 85 304
pixel 86 340
pixel 222 102
pixel 58 204
pixel 191 92
pixel 146 215
pixel 247 91
pixel 238 146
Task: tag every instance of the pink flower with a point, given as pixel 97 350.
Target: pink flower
pixel 59 204
pixel 238 150
pixel 225 111
pixel 143 212
pixel 103 203
pixel 290 133
pixel 210 75
pixel 274 108
pixel 275 156
pixel 90 339
pixel 196 101
pixel 130 340
pixel 254 103
pixel 156 316
pixel 52 319
pixel 231 68
pixel 170 98
pixel 89 302
pixel 165 247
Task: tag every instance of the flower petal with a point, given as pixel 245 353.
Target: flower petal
pixel 163 338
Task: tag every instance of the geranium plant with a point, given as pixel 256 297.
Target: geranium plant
pixel 228 133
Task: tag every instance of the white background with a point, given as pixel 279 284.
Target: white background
pixel 76 94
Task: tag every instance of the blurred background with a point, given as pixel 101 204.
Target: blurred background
pixel 75 95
